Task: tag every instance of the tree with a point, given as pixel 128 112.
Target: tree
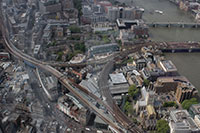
pixel 146 82
pixel 74 29
pixel 80 47
pixel 162 126
pixel 169 104
pixel 187 103
pixel 133 91
pixel 105 38
pixel 69 56
pixel 60 54
pixel 128 107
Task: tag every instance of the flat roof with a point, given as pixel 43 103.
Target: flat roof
pixel 118 78
pixel 119 89
pixel 168 66
pixel 104 45
pixel 196 108
pixel 91 86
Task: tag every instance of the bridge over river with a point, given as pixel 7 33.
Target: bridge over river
pixel 173 24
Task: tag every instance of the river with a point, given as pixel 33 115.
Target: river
pixel 171 13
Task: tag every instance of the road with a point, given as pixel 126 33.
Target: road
pixel 104 87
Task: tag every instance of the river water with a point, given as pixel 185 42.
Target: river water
pixel 171 13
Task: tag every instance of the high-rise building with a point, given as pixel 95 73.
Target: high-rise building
pixel 165 84
pixel 184 91
pixel 49 6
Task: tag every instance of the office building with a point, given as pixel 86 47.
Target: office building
pixel 194 110
pixel 71 107
pixel 129 13
pixel 167 84
pixel 181 122
pixel 168 67
pixel 140 64
pixel 140 31
pixel 185 91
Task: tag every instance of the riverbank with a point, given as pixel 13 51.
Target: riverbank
pixel 188 65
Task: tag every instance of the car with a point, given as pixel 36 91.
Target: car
pixel 88 129
pixel 99 131
pixel 68 130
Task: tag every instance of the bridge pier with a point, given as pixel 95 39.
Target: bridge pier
pixel 183 26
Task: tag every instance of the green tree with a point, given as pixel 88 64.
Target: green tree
pixel 80 46
pixel 74 29
pixel 119 42
pixel 69 56
pixel 105 38
pixel 169 104
pixel 60 54
pixel 187 103
pixel 133 91
pixel 162 126
pixel 146 82
pixel 128 107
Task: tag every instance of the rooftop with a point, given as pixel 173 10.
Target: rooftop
pixel 118 78
pixel 195 108
pixel 168 66
pixel 104 45
pixel 179 115
pixel 151 110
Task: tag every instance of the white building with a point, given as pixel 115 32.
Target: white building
pixel 197 120
pixel 182 122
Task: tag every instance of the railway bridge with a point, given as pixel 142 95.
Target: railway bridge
pixel 173 24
